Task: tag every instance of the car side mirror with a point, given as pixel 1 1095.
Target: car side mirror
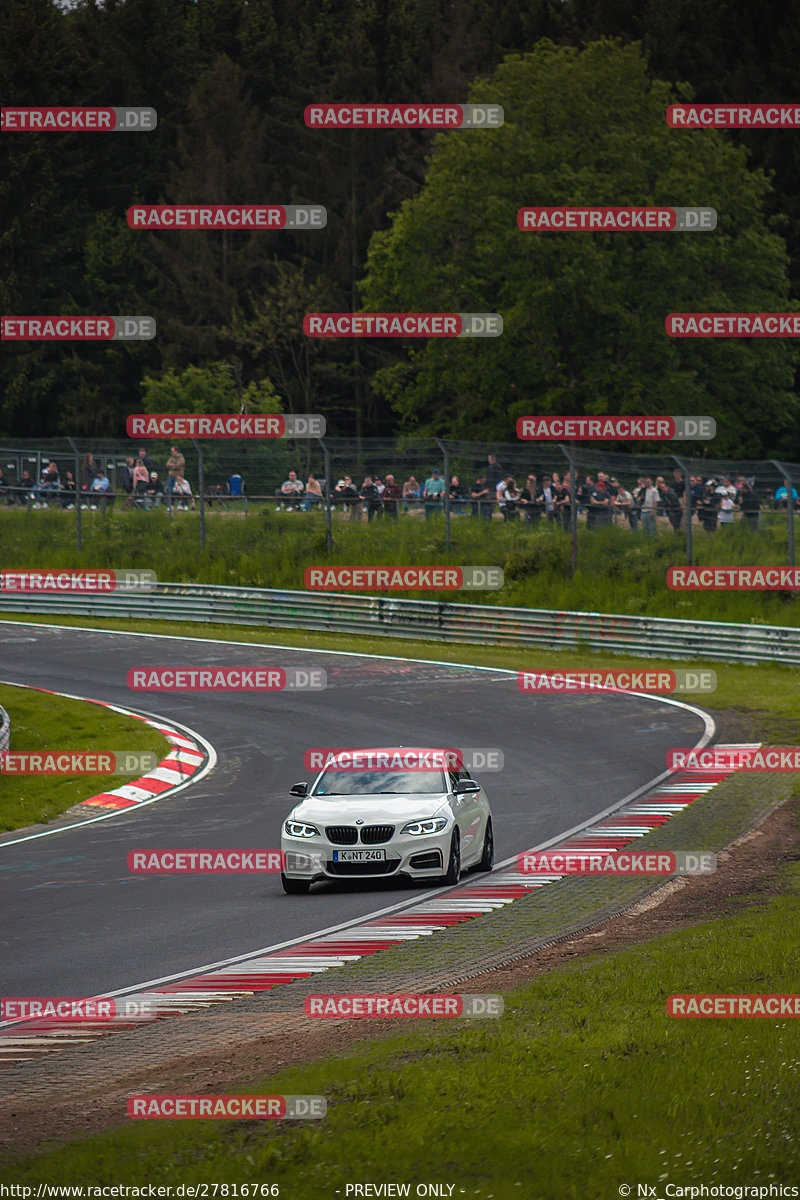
pixel 298 789
pixel 467 785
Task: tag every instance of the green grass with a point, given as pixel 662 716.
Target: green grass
pixel 583 1085
pixel 618 571
pixel 40 722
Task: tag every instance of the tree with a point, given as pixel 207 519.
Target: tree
pixel 583 312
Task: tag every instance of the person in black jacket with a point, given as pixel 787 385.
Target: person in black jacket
pixel 371 497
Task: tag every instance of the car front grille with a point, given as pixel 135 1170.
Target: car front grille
pixel 341 835
pixel 363 868
pixel 372 834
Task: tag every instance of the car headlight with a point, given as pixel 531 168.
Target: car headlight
pixel 431 825
pixel 298 829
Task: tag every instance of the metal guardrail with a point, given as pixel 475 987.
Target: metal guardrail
pixel 5 730
pixel 441 621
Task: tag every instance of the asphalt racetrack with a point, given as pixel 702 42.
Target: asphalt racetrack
pixel 75 922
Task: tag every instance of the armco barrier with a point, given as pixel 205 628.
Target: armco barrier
pixel 5 730
pixel 647 637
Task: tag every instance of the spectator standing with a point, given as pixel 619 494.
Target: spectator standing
pixel 49 486
pixel 236 485
pixel 433 493
pixel 599 504
pixel 479 495
pixel 176 467
pixel 622 503
pixel 411 491
pixel 670 503
pixel 457 496
pixel 507 497
pixel 126 477
pixel 141 478
pixel 547 497
pixel 147 461
pixel 5 491
pixel 562 499
pixel 391 497
pixel 371 496
pixel 749 504
pixel 89 471
pixel 494 475
pixel 348 492
pixel 708 507
pixel 528 502
pixel 650 502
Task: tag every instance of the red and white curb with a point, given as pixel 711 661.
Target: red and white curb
pixel 262 970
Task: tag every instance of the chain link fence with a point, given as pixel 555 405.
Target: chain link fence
pixel 343 479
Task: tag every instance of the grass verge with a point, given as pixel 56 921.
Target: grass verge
pixel 619 571
pixel 42 722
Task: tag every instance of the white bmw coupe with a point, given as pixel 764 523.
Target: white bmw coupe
pixel 376 812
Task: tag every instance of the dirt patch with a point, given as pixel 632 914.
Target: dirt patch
pixel 750 873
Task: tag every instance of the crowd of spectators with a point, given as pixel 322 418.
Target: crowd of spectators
pixel 600 499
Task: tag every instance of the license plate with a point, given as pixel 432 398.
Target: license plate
pixel 359 856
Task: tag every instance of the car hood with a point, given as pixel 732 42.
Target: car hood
pixel 337 810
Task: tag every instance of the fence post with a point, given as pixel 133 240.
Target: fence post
pixel 787 479
pixel 687 505
pixel 327 500
pixel 201 487
pixel 573 507
pixel 78 522
pixel 446 456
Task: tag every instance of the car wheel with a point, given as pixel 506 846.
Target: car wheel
pixel 487 857
pixel 295 887
pixel 454 862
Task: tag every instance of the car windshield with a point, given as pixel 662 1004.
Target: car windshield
pixel 379 783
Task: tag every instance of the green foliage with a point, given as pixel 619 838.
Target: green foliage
pixel 583 312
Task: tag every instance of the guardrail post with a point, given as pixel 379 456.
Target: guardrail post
pixel 446 456
pixel 687 507
pixel 78 523
pixel 327 499
pixel 201 487
pixel 787 479
pixel 573 507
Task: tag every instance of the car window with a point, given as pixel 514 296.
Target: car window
pixel 377 783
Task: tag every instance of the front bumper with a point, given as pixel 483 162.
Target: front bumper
pixel 419 857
